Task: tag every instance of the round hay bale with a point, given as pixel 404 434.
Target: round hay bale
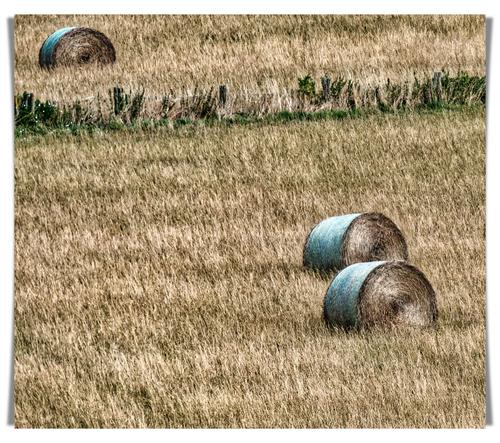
pixel 380 294
pixel 340 241
pixel 76 46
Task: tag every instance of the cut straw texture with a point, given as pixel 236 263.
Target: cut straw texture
pixel 339 241
pixel 380 294
pixel 76 46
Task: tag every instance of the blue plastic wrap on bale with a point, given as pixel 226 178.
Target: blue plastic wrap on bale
pixel 341 301
pixel 323 249
pixel 49 45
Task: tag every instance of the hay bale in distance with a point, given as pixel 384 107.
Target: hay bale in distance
pixel 380 294
pixel 340 241
pixel 76 46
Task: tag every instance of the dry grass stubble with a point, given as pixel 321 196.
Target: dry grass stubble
pixel 250 53
pixel 159 279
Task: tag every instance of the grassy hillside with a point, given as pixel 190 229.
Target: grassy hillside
pixel 158 273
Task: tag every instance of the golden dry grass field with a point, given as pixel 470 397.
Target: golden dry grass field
pixel 158 272
pixel 264 53
pixel 159 278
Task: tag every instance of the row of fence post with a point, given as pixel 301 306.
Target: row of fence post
pixel 435 94
pixel 120 99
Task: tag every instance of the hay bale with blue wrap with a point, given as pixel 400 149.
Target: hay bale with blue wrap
pixel 339 241
pixel 380 294
pixel 74 46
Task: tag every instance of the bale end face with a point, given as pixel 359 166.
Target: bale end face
pixel 373 237
pixel 380 295
pixel 76 46
pixel 397 294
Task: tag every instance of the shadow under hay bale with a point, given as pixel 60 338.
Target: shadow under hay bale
pixel 340 241
pixel 76 46
pixel 380 294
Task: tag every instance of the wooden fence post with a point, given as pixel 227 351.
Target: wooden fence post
pixel 378 98
pixel 427 93
pixel 118 99
pixel 223 95
pixel 326 83
pixel 437 86
pixel 351 101
pixel 27 102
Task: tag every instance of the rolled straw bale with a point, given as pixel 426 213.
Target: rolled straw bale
pixel 76 46
pixel 380 294
pixel 339 241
